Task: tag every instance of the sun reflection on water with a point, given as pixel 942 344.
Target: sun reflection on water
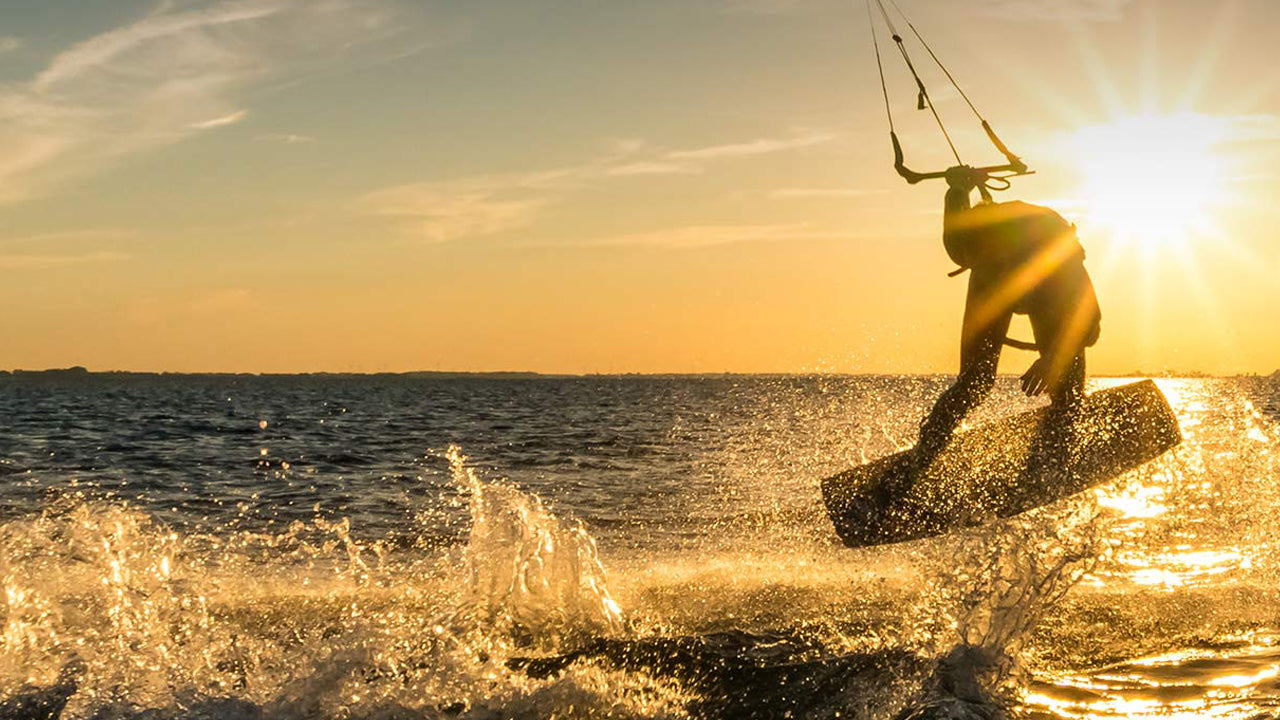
pixel 1191 683
pixel 1181 568
pixel 1192 553
pixel 1134 501
pixel 1149 503
pixel 1239 681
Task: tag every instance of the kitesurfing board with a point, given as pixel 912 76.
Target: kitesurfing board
pixel 1004 468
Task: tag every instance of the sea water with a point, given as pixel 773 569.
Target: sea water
pixel 400 547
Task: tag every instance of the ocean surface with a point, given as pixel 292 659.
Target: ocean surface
pixel 611 547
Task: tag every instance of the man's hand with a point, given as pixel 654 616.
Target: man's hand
pixel 963 177
pixel 1036 379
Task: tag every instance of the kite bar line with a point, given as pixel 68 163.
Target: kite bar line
pixel 923 93
pixel 997 176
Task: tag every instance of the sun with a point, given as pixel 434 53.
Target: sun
pixel 1152 180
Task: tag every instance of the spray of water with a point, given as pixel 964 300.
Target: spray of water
pixel 1000 582
pixel 530 574
pixel 308 622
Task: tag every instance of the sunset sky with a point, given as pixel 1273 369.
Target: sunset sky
pixel 596 186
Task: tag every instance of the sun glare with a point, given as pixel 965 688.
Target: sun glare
pixel 1152 180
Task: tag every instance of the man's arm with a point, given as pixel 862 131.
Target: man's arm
pixel 1062 336
pixel 960 183
pixel 961 180
pixel 957 200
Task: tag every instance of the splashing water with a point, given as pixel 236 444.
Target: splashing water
pixel 530 574
pixel 702 494
pixel 308 622
pixel 1008 577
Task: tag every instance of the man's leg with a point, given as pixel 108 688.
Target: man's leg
pixel 981 339
pixel 1053 448
pixel 1069 392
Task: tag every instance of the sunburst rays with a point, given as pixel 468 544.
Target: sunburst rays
pixel 1159 163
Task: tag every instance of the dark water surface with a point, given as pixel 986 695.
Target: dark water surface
pixel 385 546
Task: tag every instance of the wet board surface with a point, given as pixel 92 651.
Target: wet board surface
pixel 1004 468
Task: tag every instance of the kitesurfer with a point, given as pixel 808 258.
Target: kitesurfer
pixel 1022 259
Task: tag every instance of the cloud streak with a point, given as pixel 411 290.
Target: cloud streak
pixel 654 167
pixel 1055 10
pixel 442 211
pixel 761 7
pixel 761 146
pixel 170 74
pixel 223 121
pixel 286 138
pixel 697 236
pixel 44 261
pixel 92 56
pixel 69 236
pixel 817 193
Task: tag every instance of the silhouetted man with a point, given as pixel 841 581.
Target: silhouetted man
pixel 1022 259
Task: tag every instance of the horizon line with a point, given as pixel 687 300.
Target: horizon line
pixel 81 371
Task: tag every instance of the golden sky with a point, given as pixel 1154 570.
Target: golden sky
pixel 666 186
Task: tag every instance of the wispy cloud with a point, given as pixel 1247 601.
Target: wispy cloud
pixel 452 209
pixel 690 161
pixel 761 7
pixel 654 167
pixel 804 193
pixel 93 56
pixel 9 43
pixel 286 138
pixel 69 236
pixel 1086 10
pixel 443 211
pixel 218 122
pixel 761 146
pixel 169 74
pixel 42 261
pixel 695 236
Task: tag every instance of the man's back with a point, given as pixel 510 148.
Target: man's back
pixel 1008 234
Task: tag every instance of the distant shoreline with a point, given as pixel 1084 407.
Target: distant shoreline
pixel 79 373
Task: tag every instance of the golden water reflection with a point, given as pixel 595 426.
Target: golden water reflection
pixel 1147 506
pixel 1134 501
pixel 1191 524
pixel 1194 683
pixel 1182 567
